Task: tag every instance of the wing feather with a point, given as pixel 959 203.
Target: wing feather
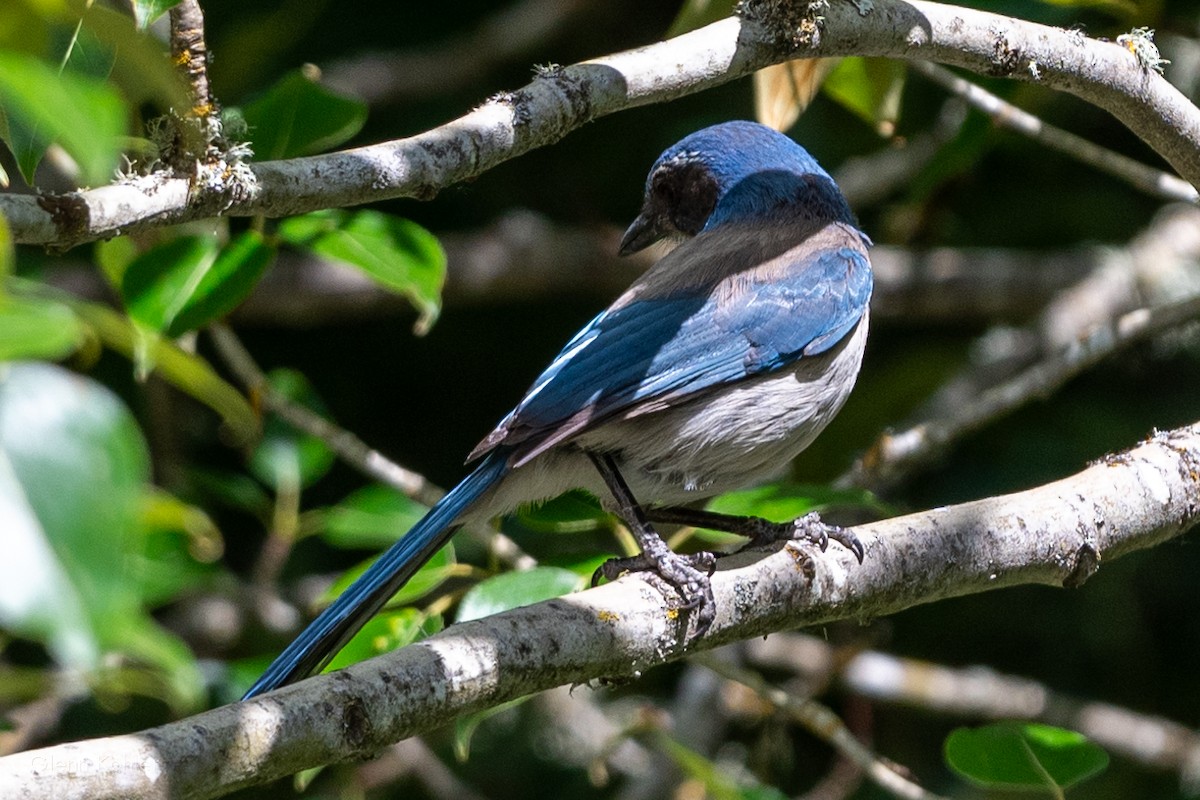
pixel 661 348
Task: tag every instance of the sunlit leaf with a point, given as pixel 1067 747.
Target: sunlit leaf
pixel 396 253
pixel 783 91
pixel 871 88
pixel 143 70
pixel 371 518
pixel 179 542
pixel 84 54
pixel 84 115
pixel 114 256
pixel 299 117
pixel 1020 755
pixel 157 283
pixel 385 632
pixel 227 281
pixel 146 11
pixel 188 372
pixel 73 472
pixel 513 589
pixel 37 329
pixel 76 464
pixel 431 575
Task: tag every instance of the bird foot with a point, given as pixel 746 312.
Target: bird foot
pixel 807 528
pixel 687 575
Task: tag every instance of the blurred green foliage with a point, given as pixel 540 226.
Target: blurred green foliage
pixel 137 479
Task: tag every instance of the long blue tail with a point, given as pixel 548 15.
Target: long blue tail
pixel 334 626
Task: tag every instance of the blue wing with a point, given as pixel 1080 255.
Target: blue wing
pixel 638 356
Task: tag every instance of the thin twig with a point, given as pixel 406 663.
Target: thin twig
pixel 347 445
pixel 1136 499
pixel 523 256
pixel 819 720
pixel 895 455
pixel 561 100
pixel 1147 179
pixel 351 449
pixel 189 52
pixel 982 692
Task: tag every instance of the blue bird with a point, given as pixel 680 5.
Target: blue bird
pixel 716 367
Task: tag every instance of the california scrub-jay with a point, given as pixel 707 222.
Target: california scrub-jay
pixel 716 367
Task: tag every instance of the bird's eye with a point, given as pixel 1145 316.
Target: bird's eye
pixel 689 195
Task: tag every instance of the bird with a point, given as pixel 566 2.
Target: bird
pixel 710 373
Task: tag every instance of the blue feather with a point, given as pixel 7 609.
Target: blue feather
pixel 775 271
pixel 662 349
pixel 334 626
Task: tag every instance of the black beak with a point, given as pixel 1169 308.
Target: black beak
pixel 645 231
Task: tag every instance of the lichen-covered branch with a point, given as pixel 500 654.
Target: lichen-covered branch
pixel 1056 534
pixel 562 99
pixel 1128 296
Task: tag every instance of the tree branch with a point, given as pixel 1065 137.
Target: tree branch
pixel 560 100
pixel 1005 115
pixel 1129 296
pixel 524 256
pixel 1054 534
pixel 982 692
pixel 819 720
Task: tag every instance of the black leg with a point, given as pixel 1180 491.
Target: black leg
pixel 688 575
pixel 761 531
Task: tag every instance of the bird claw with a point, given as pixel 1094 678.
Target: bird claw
pixel 686 575
pixel 809 528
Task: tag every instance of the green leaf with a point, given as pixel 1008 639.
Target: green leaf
pixel 430 576
pixel 224 283
pixel 574 512
pixel 73 475
pixel 371 518
pixel 514 589
pixel 146 11
pixel 26 26
pixel 142 72
pixel 233 489
pixel 781 502
pixel 84 54
pixel 114 256
pixel 157 284
pixel 179 543
pixel 698 13
pixel 869 87
pixel 37 329
pixel 386 632
pixel 1016 755
pixel 286 458
pixel 72 468
pixel 298 117
pixel 41 106
pixel 397 254
pixel 187 372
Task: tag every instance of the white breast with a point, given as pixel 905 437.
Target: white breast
pixel 723 440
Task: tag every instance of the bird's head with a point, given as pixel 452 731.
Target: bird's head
pixel 731 172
